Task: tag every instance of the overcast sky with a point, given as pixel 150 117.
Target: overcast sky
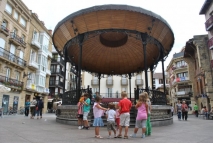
pixel 182 15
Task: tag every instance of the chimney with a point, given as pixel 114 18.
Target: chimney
pixel 50 31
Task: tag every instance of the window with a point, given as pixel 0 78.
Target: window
pixel 35 36
pixel 8 8
pixel 23 21
pixel 160 81
pixel 53 68
pixel 185 74
pixel 33 56
pixel 15 16
pixel 42 62
pixel 17 75
pixel 181 63
pixel 7 74
pixel 23 37
pixel 109 92
pixel 14 32
pixel 4 24
pixel 40 80
pixel 2 44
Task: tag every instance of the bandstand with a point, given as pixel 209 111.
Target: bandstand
pixel 114 40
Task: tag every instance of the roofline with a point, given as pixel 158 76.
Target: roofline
pixel 205 6
pixel 112 7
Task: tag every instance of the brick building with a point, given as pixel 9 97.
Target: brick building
pixel 25 55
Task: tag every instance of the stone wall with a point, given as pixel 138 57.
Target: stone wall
pixel 161 116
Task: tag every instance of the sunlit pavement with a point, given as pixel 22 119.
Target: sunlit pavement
pixel 20 129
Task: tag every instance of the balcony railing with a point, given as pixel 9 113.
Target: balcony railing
pixel 57 71
pixel 124 81
pixel 109 82
pixel 58 60
pixel 180 93
pixel 139 82
pixel 4 30
pixel 179 67
pixel 56 83
pixel 11 57
pixel 209 23
pixel 17 40
pixel 11 82
pixel 94 82
pixel 180 79
pixel 35 43
pixel 210 43
pixel 33 64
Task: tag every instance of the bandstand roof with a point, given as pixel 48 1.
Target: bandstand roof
pixel 112 38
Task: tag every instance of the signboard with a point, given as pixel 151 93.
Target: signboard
pixel 33 86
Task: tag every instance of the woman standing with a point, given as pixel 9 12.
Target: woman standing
pixel 33 107
pixel 179 110
pixel 148 123
pixel 184 108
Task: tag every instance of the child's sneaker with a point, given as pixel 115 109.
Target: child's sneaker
pixel 79 127
pixel 133 135
pixel 143 136
pixel 109 137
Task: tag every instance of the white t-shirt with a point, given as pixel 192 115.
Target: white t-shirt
pixel 111 115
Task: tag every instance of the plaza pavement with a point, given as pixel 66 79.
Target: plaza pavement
pixel 20 129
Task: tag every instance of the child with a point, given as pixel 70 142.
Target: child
pixel 86 110
pixel 80 112
pixel 148 123
pixel 117 119
pixel 98 111
pixel 124 109
pixel 141 115
pixel 111 115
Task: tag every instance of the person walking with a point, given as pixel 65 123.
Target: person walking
pixel 27 106
pixel 98 112
pixel 86 110
pixel 40 105
pixel 124 108
pixel 142 115
pixel 196 110
pixel 184 109
pixel 179 110
pixel 33 104
pixel 80 112
pixel 148 122
pixel 111 116
pixel 172 110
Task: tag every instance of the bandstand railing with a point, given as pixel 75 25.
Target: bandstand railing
pixel 156 97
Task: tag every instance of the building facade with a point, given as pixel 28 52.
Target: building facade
pixel 158 80
pixel 179 79
pixel 197 56
pixel 112 86
pixel 25 55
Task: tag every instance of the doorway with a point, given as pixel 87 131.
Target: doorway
pixel 5 103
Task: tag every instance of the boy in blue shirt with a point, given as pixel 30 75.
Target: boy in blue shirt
pixel 86 110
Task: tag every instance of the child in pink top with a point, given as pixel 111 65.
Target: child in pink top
pixel 98 112
pixel 117 119
pixel 141 115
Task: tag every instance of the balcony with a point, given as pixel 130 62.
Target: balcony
pixel 180 80
pixel 57 72
pixel 182 93
pixel 49 54
pixel 33 65
pixel 57 60
pixel 94 82
pixel 4 30
pixel 11 58
pixel 56 83
pixel 209 24
pixel 210 43
pixel 182 67
pixel 139 82
pixel 46 91
pixel 35 44
pixel 48 72
pixel 30 86
pixel 40 89
pixel 109 82
pixel 16 40
pixel 124 82
pixel 12 83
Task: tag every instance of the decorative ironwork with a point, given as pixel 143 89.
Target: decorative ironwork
pixel 156 97
pixel 71 98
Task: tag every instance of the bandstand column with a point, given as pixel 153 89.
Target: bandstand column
pixel 65 67
pixel 144 37
pixel 99 83
pixel 81 38
pixel 130 87
pixel 151 70
pixel 163 72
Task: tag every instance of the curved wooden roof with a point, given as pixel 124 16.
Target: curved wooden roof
pixel 112 52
